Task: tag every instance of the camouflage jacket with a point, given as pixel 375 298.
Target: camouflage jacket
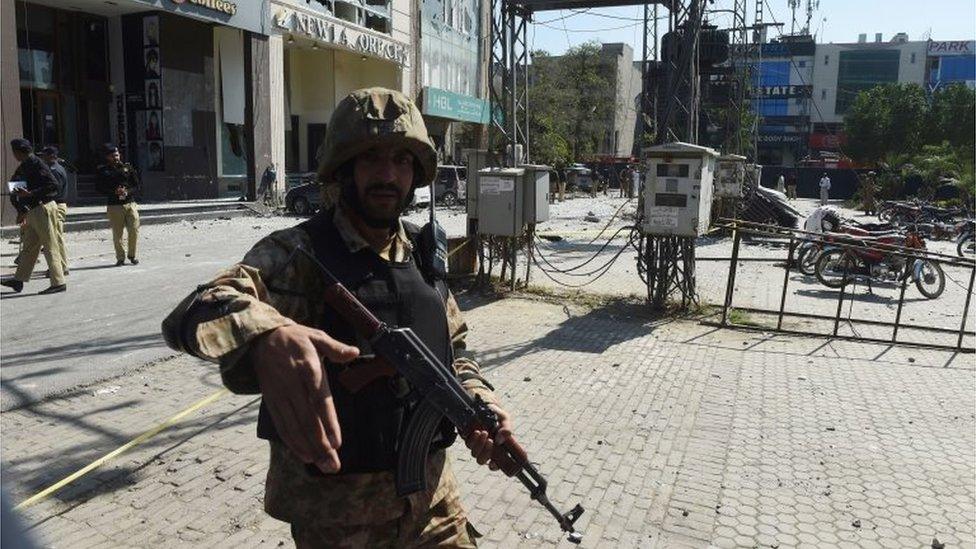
pixel 267 290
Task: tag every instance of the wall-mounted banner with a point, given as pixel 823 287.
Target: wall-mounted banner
pixel 341 34
pixel 445 104
pixel 952 47
pixel 783 92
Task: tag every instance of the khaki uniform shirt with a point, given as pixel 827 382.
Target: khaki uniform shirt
pixel 274 287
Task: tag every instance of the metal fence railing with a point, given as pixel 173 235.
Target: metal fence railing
pixel 813 310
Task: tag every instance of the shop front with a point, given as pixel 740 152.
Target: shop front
pixel 327 51
pixel 164 80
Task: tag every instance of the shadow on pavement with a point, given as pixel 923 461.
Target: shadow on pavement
pixel 94 347
pixel 38 471
pixel 593 332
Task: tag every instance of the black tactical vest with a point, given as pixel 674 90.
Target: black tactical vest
pixel 374 418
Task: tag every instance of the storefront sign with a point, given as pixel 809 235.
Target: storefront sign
pixel 339 33
pixel 781 138
pixel 783 92
pixel 242 15
pixel 445 104
pixel 952 47
pixel 827 141
pixel 222 6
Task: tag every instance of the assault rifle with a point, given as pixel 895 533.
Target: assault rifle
pixel 443 396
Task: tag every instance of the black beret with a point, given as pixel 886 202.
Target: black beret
pixel 21 145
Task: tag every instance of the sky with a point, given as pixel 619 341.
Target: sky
pixel 834 21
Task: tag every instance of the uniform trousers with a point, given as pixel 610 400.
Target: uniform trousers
pixel 124 217
pixel 41 230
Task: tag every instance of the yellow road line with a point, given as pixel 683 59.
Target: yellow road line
pixel 44 494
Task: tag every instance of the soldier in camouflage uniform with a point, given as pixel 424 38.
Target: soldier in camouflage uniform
pixel 259 320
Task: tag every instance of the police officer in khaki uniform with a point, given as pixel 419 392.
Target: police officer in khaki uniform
pixel 334 446
pixel 118 181
pixel 36 203
pixel 50 156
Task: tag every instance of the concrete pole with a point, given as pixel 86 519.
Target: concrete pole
pixel 276 88
pixel 12 126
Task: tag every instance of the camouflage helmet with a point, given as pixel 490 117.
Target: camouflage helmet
pixel 375 116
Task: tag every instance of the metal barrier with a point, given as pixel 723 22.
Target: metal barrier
pixel 794 238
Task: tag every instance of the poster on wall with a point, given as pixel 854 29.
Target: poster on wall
pixel 155 163
pixel 150 31
pixel 152 94
pixel 153 100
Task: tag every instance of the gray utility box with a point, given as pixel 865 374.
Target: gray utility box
pixel 476 160
pixel 500 201
pixel 536 193
pixel 678 190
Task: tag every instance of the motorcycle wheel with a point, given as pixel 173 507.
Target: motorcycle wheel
pixel 966 246
pixel 806 263
pixel 834 268
pixel 930 279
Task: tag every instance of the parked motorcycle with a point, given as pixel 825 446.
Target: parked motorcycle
pixel 966 239
pixel 838 266
pixel 826 220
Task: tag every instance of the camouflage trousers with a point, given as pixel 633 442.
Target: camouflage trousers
pixel 362 510
pixel 443 525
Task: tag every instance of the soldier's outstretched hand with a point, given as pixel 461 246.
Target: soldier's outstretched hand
pixel 296 390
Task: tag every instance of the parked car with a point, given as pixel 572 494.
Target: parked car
pixel 304 199
pixel 421 197
pixel 450 184
pixel 579 177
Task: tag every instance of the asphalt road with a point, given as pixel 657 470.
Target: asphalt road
pixel 108 322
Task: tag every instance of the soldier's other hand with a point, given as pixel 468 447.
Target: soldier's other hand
pixel 296 390
pixel 481 443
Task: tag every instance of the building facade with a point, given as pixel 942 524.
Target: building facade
pixel 950 62
pixel 453 80
pixel 322 51
pixel 201 96
pixel 782 91
pixel 165 81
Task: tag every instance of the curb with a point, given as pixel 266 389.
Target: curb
pixel 144 219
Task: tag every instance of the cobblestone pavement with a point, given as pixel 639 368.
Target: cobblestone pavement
pixel 671 434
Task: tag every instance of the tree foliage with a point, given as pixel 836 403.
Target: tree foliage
pixel 571 99
pixel 896 127
pixel 885 121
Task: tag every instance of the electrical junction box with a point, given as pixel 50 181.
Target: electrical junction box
pixel 730 176
pixel 535 189
pixel 501 201
pixel 678 189
pixel 476 160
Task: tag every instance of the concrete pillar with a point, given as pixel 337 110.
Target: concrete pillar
pixel 12 127
pixel 257 110
pixel 276 95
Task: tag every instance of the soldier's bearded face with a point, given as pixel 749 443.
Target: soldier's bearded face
pixel 383 177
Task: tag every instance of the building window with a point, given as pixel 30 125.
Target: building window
pixel 913 57
pixel 823 94
pixel 860 70
pixel 801 64
pixel 372 14
pixel 826 60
